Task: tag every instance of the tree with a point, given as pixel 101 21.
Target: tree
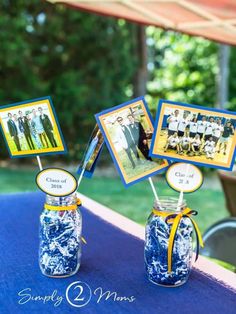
pixel 181 67
pixel 85 62
pixel 232 81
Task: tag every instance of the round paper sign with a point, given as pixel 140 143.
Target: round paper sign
pixel 56 182
pixel 184 177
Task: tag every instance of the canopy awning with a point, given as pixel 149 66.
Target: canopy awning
pixel 212 19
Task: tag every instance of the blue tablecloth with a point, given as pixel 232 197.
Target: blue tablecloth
pixel 111 261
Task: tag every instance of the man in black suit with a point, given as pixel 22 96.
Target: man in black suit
pixel 127 141
pixel 13 131
pixel 48 128
pixel 139 136
pixel 25 129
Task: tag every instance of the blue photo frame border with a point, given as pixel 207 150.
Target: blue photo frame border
pixel 89 173
pixel 159 107
pixel 110 149
pixel 65 151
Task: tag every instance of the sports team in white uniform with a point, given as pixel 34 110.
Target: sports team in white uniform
pixel 197 137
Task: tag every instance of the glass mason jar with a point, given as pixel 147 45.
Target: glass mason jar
pixel 60 236
pixel 157 236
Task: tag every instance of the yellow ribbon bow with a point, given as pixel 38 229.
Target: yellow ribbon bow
pixel 176 218
pixel 59 208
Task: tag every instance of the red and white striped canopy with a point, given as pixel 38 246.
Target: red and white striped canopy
pixel 212 19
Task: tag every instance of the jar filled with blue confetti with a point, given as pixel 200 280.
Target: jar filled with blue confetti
pixel 60 236
pixel 169 246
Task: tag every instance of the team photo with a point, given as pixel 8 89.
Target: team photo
pixel 196 134
pixel 31 128
pixel 128 131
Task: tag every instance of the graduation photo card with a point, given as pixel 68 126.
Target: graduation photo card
pixel 194 134
pixel 92 153
pixel 31 128
pixel 127 130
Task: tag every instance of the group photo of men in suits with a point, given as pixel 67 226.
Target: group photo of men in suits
pixel 131 136
pixel 30 130
pixel 133 139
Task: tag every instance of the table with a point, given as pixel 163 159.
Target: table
pixel 112 261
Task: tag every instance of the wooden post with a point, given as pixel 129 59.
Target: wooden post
pixel 141 75
pixel 222 84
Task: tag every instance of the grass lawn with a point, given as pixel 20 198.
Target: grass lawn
pixel 142 165
pixel 134 202
pixel 24 146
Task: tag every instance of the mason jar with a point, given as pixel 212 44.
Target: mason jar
pixel 157 242
pixel 60 236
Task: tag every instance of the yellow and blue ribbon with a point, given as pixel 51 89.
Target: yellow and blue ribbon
pixel 59 208
pixel 175 219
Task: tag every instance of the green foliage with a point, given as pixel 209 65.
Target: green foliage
pixel 84 61
pixel 88 63
pixel 182 68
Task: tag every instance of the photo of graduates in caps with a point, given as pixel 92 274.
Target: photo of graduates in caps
pixel 31 129
pixel 129 131
pixel 198 135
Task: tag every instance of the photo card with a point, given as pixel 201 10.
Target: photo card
pixel 194 134
pixel 92 153
pixel 31 128
pixel 127 130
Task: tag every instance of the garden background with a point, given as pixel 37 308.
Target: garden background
pixel 88 63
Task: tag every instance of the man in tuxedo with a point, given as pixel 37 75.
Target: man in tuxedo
pixel 48 128
pixel 13 131
pixel 139 136
pixel 25 129
pixel 127 141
